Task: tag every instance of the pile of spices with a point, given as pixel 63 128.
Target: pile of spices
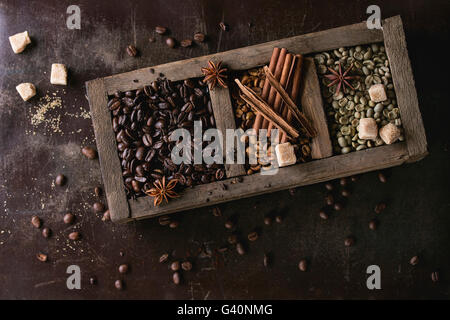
pixel 347 102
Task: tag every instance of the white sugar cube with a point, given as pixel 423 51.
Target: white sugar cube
pixel 26 90
pixel 377 93
pixel 367 129
pixel 389 133
pixel 19 41
pixel 285 154
pixel 59 74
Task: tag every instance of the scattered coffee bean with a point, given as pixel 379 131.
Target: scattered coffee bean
pixel 380 207
pixel 232 239
pixel 74 235
pixel 329 186
pixel 121 253
pixel 382 177
pixel 46 232
pixel 267 221
pixel 160 30
pixel 323 214
pixel 164 220
pixel 338 206
pixel 123 268
pixel 98 191
pixel 349 241
pixel 89 153
pixel 186 265
pixel 93 280
pixel 279 219
pixel 229 224
pixel 346 193
pixel 68 218
pixel 414 260
pixel 186 43
pixel 216 212
pixel 303 265
pixel 435 276
pixel 164 257
pixel 200 37
pixel 175 266
pixel 106 216
pixel 119 284
pixel 223 26
pixel 176 277
pixel 266 260
pixel 373 224
pixel 36 222
pixel 329 199
pixel 42 257
pixel 60 180
pixel 173 224
pixel 343 182
pixel 98 207
pixel 292 191
pixel 152 39
pixel 252 236
pixel 240 248
pixel 354 178
pixel 170 42
pixel 131 50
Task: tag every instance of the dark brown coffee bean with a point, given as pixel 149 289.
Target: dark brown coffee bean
pixel 175 266
pixel 323 214
pixel 68 218
pixel 186 43
pixel 89 153
pixel 223 26
pixel 46 232
pixel 151 39
pixel 173 224
pixel 349 241
pixel 414 261
pixel 382 177
pixel 98 207
pixel 93 280
pixel 380 207
pixel 252 236
pixel 164 257
pixel 303 265
pixel 36 222
pixel 343 182
pixel 240 249
pixel 170 42
pixel 354 178
pixel 232 239
pixel 266 260
pixel 329 199
pixel 435 276
pixel 60 180
pixel 267 221
pixel 160 29
pixel 216 212
pixel 338 206
pixel 329 186
pixel 119 284
pixel 98 191
pixel 200 37
pixel 74 235
pixel 106 216
pixel 123 268
pixel 176 277
pixel 186 265
pixel 131 50
pixel 345 193
pixel 373 224
pixel 42 257
pixel 229 224
pixel 164 220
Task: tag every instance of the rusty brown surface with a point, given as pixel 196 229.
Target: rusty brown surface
pixel 416 221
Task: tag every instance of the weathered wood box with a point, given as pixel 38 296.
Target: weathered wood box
pixel 323 168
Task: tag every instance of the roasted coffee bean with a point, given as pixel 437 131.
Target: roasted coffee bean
pixel 338 206
pixel 414 261
pixel 266 260
pixel 349 241
pixel 380 207
pixel 267 221
pixel 223 26
pixel 123 268
pixel 186 265
pixel 186 43
pixel 131 50
pixel 98 191
pixel 354 178
pixel 200 37
pixel 151 39
pixel 60 180
pixel 176 277
pixel 170 42
pixel 89 152
pixel 160 29
pixel 240 249
pixel 173 224
pixel 279 219
pixel 74 235
pixel 329 186
pixel 98 207
pixel 329 199
pixel 435 276
pixel 303 265
pixel 46 232
pixel 119 284
pixel 343 182
pixel 42 257
pixel 36 222
pixel 216 212
pixel 232 239
pixel 323 214
pixel 252 236
pixel 164 257
pixel 382 177
pixel 345 193
pixel 373 224
pixel 229 224
pixel 68 218
pixel 106 216
pixel 175 266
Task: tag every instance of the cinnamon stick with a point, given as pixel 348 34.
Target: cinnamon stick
pixel 266 89
pixel 249 96
pixel 277 75
pixel 290 104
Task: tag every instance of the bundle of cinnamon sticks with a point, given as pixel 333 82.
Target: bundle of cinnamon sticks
pixel 276 106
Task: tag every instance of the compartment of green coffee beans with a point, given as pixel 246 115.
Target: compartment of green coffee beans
pixel 367 65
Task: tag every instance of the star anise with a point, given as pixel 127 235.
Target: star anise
pixel 163 191
pixel 215 74
pixel 340 78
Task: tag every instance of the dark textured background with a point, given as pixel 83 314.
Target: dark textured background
pixel 417 220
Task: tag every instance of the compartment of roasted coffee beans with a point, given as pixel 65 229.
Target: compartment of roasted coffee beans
pixel 143 121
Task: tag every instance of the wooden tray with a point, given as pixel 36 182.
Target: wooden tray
pixel 326 167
